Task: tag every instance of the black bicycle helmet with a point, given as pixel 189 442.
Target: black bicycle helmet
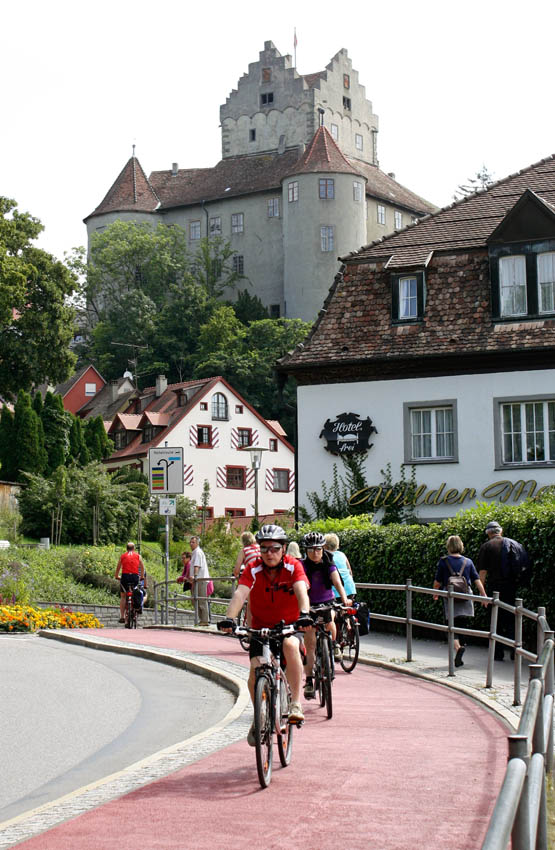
pixel 271 532
pixel 314 540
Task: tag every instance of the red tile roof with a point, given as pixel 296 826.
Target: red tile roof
pixel 131 192
pixel 323 155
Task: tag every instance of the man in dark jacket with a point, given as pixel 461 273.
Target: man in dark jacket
pixel 493 568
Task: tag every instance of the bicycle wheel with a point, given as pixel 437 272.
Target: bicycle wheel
pixel 285 739
pixel 244 640
pixel 350 644
pixel 128 616
pixel 327 678
pixel 133 617
pixel 319 672
pixel 263 723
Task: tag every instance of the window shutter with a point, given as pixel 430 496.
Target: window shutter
pixel 291 481
pixel 188 476
pixel 269 479
pixel 221 477
pixel 249 478
pixel 193 436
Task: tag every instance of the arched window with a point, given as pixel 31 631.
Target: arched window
pixel 219 406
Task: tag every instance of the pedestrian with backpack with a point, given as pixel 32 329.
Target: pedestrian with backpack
pixel 458 573
pixel 503 565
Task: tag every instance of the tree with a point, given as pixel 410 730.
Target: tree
pixel 98 443
pixel 29 455
pixel 249 308
pixel 56 424
pixel 36 322
pixel 77 446
pixel 481 180
pixel 7 455
pixel 212 267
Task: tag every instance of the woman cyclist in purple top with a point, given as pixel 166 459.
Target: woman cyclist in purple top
pixel 323 576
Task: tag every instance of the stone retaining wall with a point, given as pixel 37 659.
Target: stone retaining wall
pixel 108 615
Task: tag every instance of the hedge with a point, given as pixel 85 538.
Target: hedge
pixel 392 553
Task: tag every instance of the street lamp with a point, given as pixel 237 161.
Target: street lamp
pixel 256 460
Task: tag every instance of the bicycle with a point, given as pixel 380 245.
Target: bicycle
pixel 348 638
pixel 272 700
pixel 131 610
pixel 244 639
pixel 324 667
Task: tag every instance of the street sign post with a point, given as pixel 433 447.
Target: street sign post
pixel 165 471
pixel 167 506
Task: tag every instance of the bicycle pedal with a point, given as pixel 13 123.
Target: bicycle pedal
pixel 297 723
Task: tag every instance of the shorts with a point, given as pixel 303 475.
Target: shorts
pixel 256 645
pixel 129 580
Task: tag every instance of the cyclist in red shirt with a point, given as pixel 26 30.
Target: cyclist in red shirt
pixel 132 570
pixel 276 586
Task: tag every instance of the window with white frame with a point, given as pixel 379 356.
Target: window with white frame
pixel 357 190
pixel 194 230
pixel 526 431
pixel 326 188
pixel 204 436
pixel 408 298
pixel 90 389
pixel 293 191
pixel 359 141
pixel 273 207
pixel 398 217
pixel 546 282
pixel 326 238
pixel 512 285
pixel 281 480
pixel 215 225
pixel 237 223
pixel 334 130
pixel 381 214
pixel 430 431
pixel 244 437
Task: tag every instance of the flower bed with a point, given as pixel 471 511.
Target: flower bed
pixel 24 618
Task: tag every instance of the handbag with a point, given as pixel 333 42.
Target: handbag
pixel 209 587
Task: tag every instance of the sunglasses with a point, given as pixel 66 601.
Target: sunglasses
pixel 265 549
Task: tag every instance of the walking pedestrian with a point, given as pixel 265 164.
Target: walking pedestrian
pixel 198 570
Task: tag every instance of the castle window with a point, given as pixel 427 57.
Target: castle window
pixel 346 81
pixel 266 75
pixel 407 297
pixel 334 129
pixel 381 214
pixel 252 135
pixel 326 188
pixel 293 191
pixel 357 190
pixel 346 102
pixel 326 238
pixel 194 230
pixel 398 216
pixel 273 207
pixel 359 142
pixel 238 264
pixel 216 226
pixel 274 311
pixel 237 223
pixel 267 98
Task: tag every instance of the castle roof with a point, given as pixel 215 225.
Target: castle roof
pixel 131 192
pixel 323 155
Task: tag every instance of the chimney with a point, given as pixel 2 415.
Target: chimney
pixel 391 174
pixel 161 385
pixel 175 169
pixel 113 390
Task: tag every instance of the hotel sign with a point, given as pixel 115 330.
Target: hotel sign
pixel 348 434
pixel 502 491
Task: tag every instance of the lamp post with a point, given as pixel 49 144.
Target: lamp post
pixel 256 460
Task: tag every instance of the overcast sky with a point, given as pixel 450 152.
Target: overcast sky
pixel 455 86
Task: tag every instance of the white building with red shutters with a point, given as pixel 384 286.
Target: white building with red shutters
pixel 212 423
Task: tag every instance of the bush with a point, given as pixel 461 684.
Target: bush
pixel 10 521
pixel 392 553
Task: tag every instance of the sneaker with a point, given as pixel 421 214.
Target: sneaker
pixel 309 692
pixel 458 657
pixel 251 740
pixel 296 713
pixel 337 654
pixel 122 619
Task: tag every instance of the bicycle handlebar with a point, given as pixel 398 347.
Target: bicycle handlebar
pixel 265 633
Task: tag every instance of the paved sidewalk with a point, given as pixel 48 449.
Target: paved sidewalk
pixel 369 777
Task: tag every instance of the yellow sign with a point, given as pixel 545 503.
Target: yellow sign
pixel 501 491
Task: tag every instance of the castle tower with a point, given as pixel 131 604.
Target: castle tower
pixel 324 211
pixel 275 108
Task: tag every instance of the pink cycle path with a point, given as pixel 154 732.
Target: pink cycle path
pixel 403 764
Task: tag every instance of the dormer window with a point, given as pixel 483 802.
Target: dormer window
pixel 546 282
pixel 512 285
pixel 120 439
pixel 407 297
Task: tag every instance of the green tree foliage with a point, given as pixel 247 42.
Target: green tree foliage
pixel 480 181
pixel 7 455
pixel 212 267
pixel 72 494
pixel 28 452
pixel 43 455
pixel 98 443
pixel 56 423
pixel 249 308
pixel 36 323
pixel 78 449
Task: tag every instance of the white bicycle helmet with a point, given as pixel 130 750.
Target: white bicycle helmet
pixel 314 540
pixel 271 532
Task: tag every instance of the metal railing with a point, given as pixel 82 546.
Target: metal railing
pixel 166 605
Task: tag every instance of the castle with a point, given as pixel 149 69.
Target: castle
pixel 298 184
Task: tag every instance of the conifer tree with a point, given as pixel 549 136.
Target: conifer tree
pixel 7 453
pixel 25 439
pixel 43 455
pixel 77 446
pixel 97 440
pixel 56 431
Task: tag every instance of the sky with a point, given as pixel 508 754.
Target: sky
pixel 455 86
